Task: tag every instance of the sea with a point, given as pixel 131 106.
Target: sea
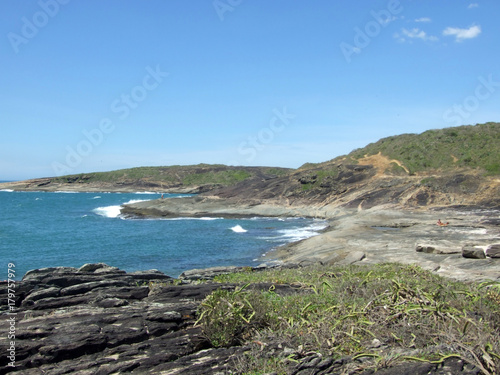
pixel 52 229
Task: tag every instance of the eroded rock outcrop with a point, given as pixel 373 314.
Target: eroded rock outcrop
pixel 101 320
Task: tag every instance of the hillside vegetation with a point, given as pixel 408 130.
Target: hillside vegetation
pixel 464 146
pixel 455 165
pixel 201 174
pixel 438 167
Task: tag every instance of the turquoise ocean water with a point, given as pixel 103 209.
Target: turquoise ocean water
pixel 40 229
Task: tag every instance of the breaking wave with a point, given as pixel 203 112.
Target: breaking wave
pixel 238 229
pixel 115 210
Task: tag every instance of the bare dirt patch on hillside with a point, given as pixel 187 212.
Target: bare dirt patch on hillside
pixel 381 163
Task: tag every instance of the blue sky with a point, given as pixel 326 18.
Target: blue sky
pixel 99 85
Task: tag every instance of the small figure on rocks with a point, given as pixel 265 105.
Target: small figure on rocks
pixel 441 224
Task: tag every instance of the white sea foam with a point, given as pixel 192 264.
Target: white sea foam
pixel 136 201
pixel 96 197
pixel 297 234
pixel 115 210
pixel 238 229
pixel 7 190
pixel 66 192
pixel 470 230
pixel 108 211
pixel 146 192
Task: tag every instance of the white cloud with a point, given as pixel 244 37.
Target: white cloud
pixel 423 19
pixel 414 33
pixel 473 5
pixel 461 34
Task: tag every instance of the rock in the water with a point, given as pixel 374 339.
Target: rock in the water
pixel 493 251
pixel 473 252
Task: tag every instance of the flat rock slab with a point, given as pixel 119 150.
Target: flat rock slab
pixel 342 257
pixel 438 248
pixel 385 234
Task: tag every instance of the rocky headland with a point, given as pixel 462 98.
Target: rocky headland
pixel 382 204
pixel 190 179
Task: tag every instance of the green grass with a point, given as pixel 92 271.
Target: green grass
pixel 229 177
pixel 464 146
pixel 162 174
pixel 339 311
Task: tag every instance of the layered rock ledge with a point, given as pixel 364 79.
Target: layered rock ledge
pixel 101 320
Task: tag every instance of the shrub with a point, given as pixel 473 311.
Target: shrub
pixel 339 311
pixel 228 317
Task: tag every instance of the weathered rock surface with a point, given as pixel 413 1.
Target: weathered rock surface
pixel 386 234
pixel 493 251
pixel 101 320
pixel 473 252
pixel 442 247
pixel 343 257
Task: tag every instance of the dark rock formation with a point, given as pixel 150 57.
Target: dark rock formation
pixel 101 320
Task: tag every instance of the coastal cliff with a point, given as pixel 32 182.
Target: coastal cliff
pixel 438 168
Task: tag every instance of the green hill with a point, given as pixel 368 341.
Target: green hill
pixel 460 157
pixel 469 146
pixel 177 175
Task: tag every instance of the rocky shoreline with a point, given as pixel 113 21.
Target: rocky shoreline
pixel 101 320
pixel 465 249
pixel 47 185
